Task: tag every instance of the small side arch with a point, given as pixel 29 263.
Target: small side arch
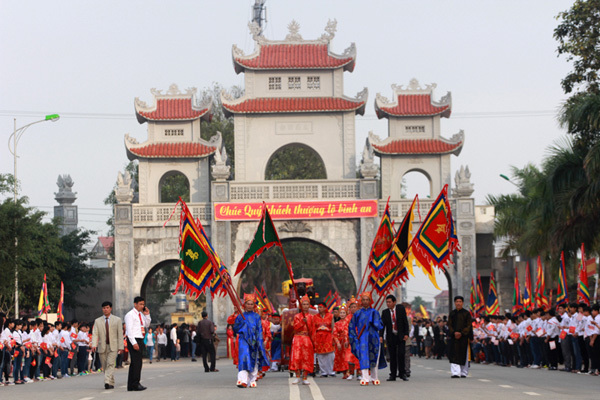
pixel 172 185
pixel 416 181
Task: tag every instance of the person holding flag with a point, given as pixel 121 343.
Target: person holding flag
pixel 251 351
pixel 363 332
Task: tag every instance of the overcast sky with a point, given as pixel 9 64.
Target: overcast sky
pixel 87 61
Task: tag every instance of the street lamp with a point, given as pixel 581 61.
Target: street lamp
pixel 16 136
pixel 506 178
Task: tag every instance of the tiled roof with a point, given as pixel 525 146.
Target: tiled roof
pixel 295 104
pixel 171 110
pixel 172 150
pixel 106 241
pixel 417 146
pixel 412 105
pixel 293 56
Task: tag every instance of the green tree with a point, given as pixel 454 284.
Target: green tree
pixel 417 302
pixel 578 35
pixel 39 250
pixel 295 161
pixel 174 186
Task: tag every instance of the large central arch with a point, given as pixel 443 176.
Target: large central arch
pixel 295 161
pixel 309 259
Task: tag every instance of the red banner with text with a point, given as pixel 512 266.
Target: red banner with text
pixel 297 210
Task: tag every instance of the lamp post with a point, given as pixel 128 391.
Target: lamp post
pixel 506 178
pixel 16 136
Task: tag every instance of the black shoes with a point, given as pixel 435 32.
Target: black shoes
pixel 454 376
pixel 107 386
pixel 404 378
pixel 390 379
pixel 138 388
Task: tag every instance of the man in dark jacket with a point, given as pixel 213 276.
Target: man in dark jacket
pixel 395 328
pixel 206 332
pixel 459 341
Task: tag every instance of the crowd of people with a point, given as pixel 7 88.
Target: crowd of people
pixel 354 341
pixel 537 339
pixel 37 350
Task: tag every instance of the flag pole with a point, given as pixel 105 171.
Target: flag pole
pixel 280 245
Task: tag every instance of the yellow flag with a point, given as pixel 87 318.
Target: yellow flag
pixel 41 302
pixel 424 312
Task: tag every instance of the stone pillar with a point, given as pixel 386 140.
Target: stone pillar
pixel 464 217
pixel 221 307
pixel 124 257
pixel 66 211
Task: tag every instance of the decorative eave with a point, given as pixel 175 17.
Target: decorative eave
pixel 200 149
pixel 173 106
pixel 293 52
pixel 413 101
pixel 269 105
pixel 391 146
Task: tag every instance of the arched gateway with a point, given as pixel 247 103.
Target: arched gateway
pixel 293 95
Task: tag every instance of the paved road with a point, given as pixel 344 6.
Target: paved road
pixel 430 379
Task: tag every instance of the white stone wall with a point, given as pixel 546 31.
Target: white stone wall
pixel 331 135
pixel 152 170
pixel 397 127
pixel 257 83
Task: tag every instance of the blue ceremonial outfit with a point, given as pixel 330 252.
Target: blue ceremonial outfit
pixel 363 333
pixel 252 355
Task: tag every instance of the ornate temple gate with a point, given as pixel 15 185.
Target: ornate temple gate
pixel 293 95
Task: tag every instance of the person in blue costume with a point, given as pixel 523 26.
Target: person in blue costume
pixel 252 356
pixel 276 344
pixel 363 333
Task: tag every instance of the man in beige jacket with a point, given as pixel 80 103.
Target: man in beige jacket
pixel 107 341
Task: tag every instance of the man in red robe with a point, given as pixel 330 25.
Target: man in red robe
pixel 323 340
pixel 302 358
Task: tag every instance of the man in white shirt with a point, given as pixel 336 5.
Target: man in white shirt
pixel 575 319
pixel 65 347
pixel 161 341
pixel 565 343
pixel 137 321
pixel 173 337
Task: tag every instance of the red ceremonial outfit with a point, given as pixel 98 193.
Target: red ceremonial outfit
pixel 340 336
pixel 234 345
pixel 267 336
pixel 303 357
pixel 323 338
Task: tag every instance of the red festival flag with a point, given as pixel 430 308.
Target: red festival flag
pixel 59 309
pixel 480 298
pixel 583 293
pixel 528 303
pixel 517 302
pixel 436 240
pixel 561 293
pixel 541 300
pixel 492 307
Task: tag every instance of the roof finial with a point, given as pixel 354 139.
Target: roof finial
pixel 294 28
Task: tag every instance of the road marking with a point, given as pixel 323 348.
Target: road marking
pixel 161 376
pixel 314 390
pixel 506 386
pixel 294 390
pixel 86 398
pixel 428 368
pixel 532 393
pixel 124 386
pixel 440 370
pixel 483 380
